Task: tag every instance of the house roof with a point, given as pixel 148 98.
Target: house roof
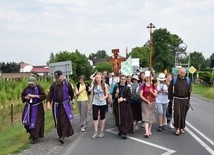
pixel 40 69
pixel 23 64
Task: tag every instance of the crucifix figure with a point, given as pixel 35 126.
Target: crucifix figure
pixel 116 61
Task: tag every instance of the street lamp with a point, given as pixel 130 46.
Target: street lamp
pixel 150 27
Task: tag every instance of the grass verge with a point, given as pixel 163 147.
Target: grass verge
pixel 13 138
pixel 205 91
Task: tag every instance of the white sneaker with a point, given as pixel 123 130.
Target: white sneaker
pixel 82 129
pixel 95 135
pixel 101 134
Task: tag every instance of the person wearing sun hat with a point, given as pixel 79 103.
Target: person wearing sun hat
pixel 33 113
pixel 162 100
pixel 135 102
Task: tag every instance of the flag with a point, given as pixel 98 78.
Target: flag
pixel 126 67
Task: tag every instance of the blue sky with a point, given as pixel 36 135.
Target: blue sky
pixel 31 29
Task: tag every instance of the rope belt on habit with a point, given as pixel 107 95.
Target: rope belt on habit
pixel 181 98
pixel 35 104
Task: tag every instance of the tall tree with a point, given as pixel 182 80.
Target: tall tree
pixel 212 61
pixel 197 60
pixel 164 44
pixel 104 66
pixel 80 63
pixel 9 67
pixel 99 55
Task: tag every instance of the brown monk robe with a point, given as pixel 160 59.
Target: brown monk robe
pixel 33 114
pixel 180 92
pixel 61 93
pixel 122 108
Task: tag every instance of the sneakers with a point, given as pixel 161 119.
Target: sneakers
pixel 177 132
pixel 95 135
pixel 182 131
pixel 159 128
pixel 101 134
pixel 83 128
pixel 163 127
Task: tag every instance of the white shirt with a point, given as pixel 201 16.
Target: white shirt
pixel 162 96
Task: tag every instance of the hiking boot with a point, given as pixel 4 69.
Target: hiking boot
pixel 101 134
pixel 95 135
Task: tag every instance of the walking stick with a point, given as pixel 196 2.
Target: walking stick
pixel 119 113
pixel 118 106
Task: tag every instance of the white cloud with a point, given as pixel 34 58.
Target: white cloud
pixel 31 30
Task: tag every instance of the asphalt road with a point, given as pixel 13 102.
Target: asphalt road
pixel 197 140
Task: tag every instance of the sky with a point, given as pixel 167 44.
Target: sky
pixel 31 29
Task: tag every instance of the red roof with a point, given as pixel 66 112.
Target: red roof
pixel 40 70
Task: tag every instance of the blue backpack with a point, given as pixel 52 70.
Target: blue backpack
pixel 175 81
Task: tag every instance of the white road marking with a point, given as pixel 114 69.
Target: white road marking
pixel 168 151
pixel 211 151
pixel 200 133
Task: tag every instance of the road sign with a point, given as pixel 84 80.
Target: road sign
pixel 64 66
pixel 192 69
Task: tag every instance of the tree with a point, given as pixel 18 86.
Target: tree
pixel 142 53
pixel 197 60
pixel 164 44
pixel 9 67
pixel 104 66
pixel 212 61
pixel 99 55
pixel 80 63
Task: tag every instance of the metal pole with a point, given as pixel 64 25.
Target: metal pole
pixel 150 27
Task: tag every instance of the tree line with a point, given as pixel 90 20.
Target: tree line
pixel 163 57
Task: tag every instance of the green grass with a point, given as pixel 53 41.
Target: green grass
pixel 205 91
pixel 13 138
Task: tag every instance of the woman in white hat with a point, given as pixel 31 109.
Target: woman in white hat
pixel 136 102
pixel 162 100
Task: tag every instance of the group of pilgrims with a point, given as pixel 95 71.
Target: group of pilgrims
pixel 136 100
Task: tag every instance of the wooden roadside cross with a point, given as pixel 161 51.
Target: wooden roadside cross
pixel 116 61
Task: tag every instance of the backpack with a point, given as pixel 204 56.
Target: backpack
pixel 87 85
pixel 144 85
pixel 187 80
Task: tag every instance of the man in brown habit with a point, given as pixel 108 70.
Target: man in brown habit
pixel 179 91
pixel 33 113
pixel 60 94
